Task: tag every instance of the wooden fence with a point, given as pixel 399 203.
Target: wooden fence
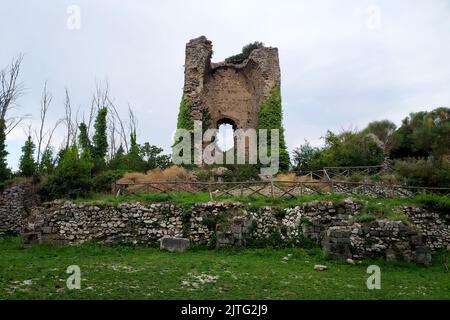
pixel 337 173
pixel 278 188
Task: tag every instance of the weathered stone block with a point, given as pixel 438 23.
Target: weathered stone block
pixel 29 239
pixel 422 255
pixel 174 244
pixel 47 230
pixel 416 240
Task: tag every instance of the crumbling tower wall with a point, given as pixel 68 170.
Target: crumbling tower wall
pixel 232 93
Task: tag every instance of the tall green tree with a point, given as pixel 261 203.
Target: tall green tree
pixel 5 173
pixel 100 138
pixel 83 137
pixel 27 164
pixel 119 160
pixel 134 159
pixel 47 165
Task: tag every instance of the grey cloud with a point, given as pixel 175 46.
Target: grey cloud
pixel 336 72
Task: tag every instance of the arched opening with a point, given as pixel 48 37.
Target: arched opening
pixel 225 136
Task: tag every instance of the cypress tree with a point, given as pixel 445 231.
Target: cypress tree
pixel 134 159
pixel 27 164
pixel 100 139
pixel 47 164
pixel 118 162
pixel 83 138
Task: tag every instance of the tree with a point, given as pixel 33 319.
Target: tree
pixel 152 156
pixel 134 160
pixel 83 138
pixel 10 91
pixel 4 171
pixel 423 134
pixel 305 157
pixel 27 165
pixel 47 165
pixel 100 139
pixel 45 104
pixel 70 121
pixel 44 136
pixel 119 160
pixel 384 130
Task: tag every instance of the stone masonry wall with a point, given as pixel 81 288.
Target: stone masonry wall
pixel 217 224
pixel 15 205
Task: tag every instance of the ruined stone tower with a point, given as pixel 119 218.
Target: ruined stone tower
pixel 232 93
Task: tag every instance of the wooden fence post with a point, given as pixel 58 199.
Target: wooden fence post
pixel 271 186
pixel 210 193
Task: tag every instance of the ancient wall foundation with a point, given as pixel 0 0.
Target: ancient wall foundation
pixel 218 224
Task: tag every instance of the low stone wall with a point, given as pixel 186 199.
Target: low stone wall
pixel 217 224
pixel 15 205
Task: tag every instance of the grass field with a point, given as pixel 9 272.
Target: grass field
pixel 148 273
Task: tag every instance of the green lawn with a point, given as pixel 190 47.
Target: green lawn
pixel 147 273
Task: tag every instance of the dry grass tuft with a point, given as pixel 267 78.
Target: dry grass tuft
pixel 174 173
pixel 291 178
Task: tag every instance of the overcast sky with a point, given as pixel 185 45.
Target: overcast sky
pixel 343 63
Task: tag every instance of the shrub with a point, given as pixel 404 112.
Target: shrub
pixel 246 50
pixel 344 149
pixel 72 178
pixel 103 182
pixel 356 177
pixel 426 173
pixel 242 172
pixel 423 134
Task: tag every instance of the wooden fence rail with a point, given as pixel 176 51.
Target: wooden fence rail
pixel 278 188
